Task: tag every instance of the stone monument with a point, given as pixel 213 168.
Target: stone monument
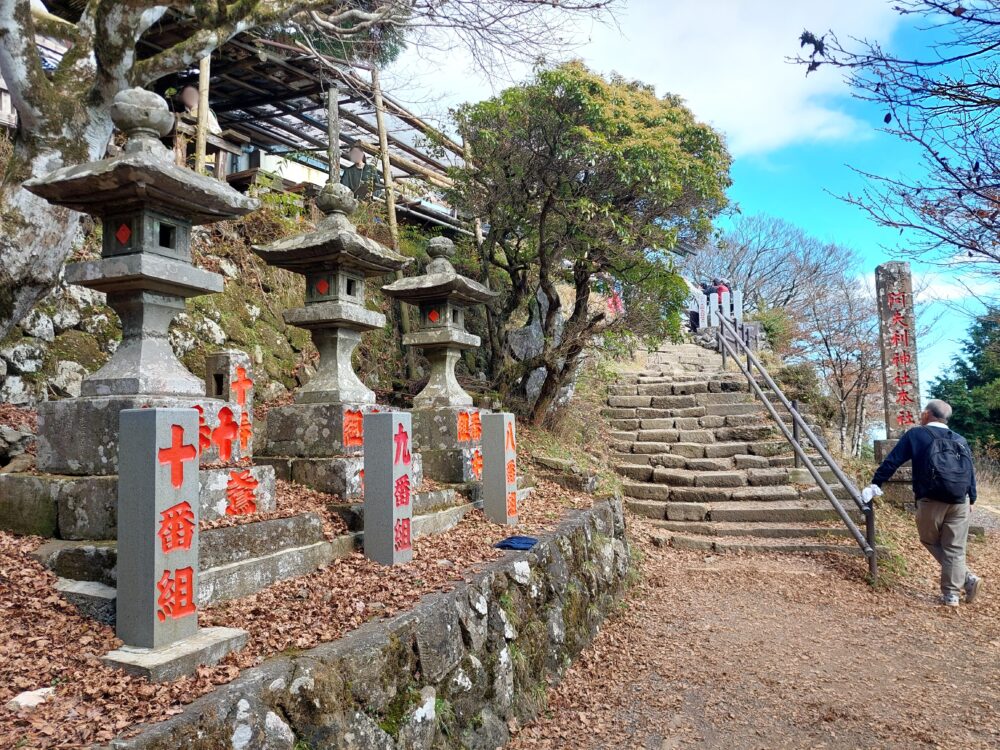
pixel 319 440
pixel 388 488
pixel 447 427
pixel 158 542
pixel 147 206
pixel 499 490
pixel 900 376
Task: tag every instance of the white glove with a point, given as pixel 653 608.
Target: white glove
pixel 870 492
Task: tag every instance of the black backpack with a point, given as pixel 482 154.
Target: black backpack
pixel 950 467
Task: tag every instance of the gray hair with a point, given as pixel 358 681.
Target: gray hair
pixel 940 410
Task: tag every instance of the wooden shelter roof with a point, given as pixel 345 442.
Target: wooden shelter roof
pixel 274 93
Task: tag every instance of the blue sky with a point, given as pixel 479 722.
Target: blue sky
pixel 792 138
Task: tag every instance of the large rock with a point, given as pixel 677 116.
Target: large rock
pixel 38 325
pixel 24 358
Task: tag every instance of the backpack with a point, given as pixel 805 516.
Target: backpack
pixel 950 468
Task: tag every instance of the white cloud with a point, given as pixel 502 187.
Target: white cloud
pixel 725 57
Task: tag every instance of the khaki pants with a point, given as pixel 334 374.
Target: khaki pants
pixel 944 531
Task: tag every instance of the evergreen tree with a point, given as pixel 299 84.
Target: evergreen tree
pixel 973 386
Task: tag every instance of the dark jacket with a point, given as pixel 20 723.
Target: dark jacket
pixel 913 446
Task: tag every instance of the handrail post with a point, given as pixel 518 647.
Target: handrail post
pixel 870 536
pixel 722 347
pixel 795 430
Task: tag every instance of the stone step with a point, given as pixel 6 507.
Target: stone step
pixel 766 530
pixel 750 545
pixel 802 511
pixel 720 487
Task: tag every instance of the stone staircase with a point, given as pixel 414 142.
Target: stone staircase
pixel 701 456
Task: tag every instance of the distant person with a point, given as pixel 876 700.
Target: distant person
pixel 944 486
pixel 360 176
pixel 721 287
pixel 190 98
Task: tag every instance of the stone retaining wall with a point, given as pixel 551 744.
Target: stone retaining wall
pixel 449 673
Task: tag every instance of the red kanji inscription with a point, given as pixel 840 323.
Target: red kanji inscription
pixel 902 379
pixel 896 300
pixel 905 418
pixel 175 594
pixel 401 491
pixel 177 527
pixel 900 337
pixel 901 359
pixel 512 503
pixel 225 433
pixel 903 398
pixel 241 386
pixel 177 454
pixel 464 435
pixel 509 443
pixel 245 432
pixel 402 441
pixel 475 426
pixel 511 472
pixel 401 534
pixel 241 493
pixel 354 428
pixel 204 431
pixel 476 464
pixel 898 320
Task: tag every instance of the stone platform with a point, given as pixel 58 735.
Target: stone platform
pixel 450 441
pixel 209 646
pixel 85 507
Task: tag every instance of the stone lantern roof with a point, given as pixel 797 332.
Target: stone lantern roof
pixel 144 175
pixel 335 243
pixel 441 282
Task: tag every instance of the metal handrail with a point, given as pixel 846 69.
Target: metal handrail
pixel 866 541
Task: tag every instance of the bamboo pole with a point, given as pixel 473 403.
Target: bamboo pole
pixel 390 203
pixel 333 131
pixel 201 131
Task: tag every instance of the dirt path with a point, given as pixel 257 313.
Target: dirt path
pixel 785 652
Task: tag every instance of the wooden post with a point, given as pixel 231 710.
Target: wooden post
pixel 390 204
pixel 201 131
pixel 333 131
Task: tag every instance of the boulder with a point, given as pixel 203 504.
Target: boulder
pixel 38 325
pixel 24 357
pixel 68 379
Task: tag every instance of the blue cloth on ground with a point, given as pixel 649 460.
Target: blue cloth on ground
pixel 517 542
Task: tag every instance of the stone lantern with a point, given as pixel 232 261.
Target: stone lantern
pixel 147 205
pixel 319 440
pixel 448 428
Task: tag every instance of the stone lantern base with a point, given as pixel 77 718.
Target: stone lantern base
pixel 450 440
pixel 322 445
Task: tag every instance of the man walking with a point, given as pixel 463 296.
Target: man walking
pixel 944 486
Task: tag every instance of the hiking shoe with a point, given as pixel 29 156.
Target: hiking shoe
pixel 948 600
pixel 973 584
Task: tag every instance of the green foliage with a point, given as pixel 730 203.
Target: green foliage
pixel 973 385
pixel 779 328
pixel 587 183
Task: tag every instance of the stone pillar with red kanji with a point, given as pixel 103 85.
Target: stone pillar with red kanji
pixel 388 509
pixel 900 376
pixel 499 470
pixel 158 513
